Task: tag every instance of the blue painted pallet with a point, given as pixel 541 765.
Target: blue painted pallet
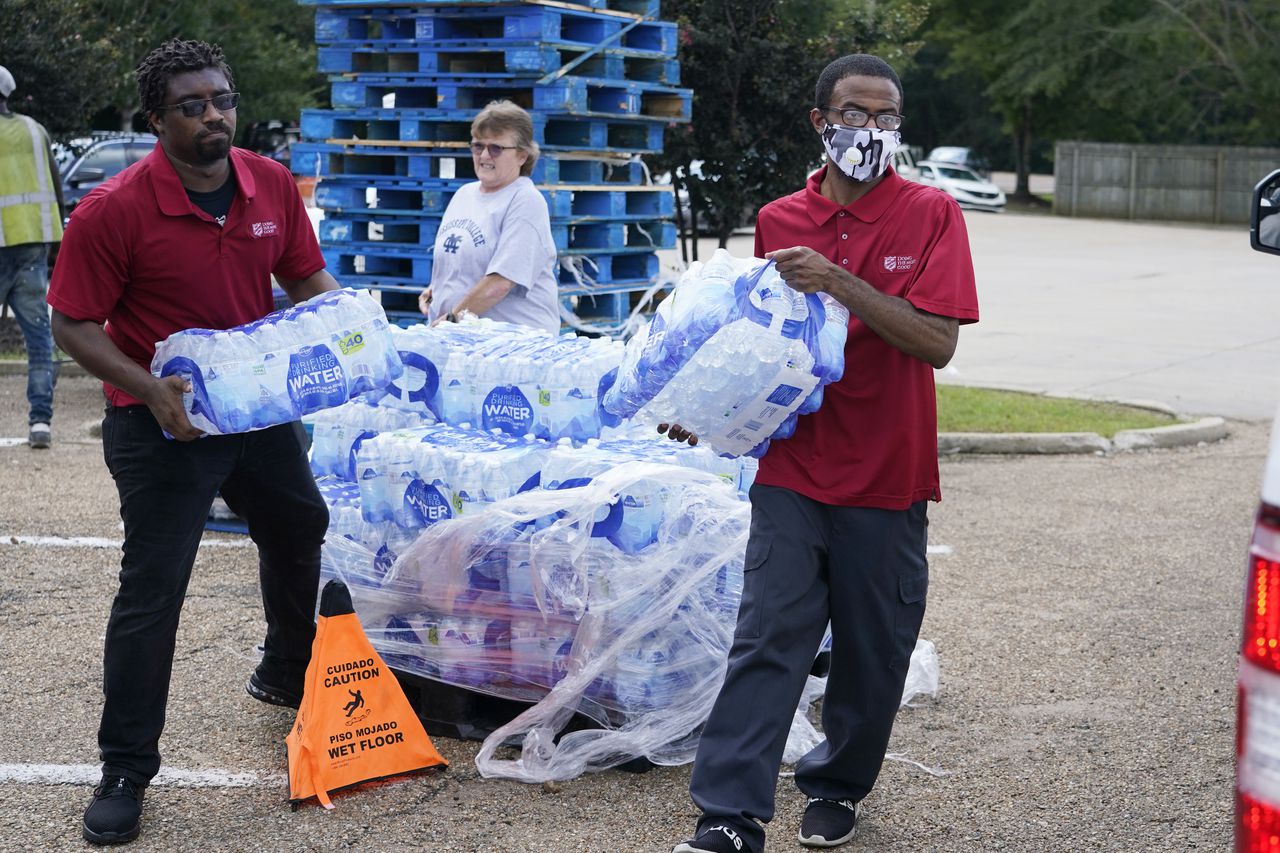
pixel 380 234
pixel 551 132
pixel 389 199
pixel 607 310
pixel 600 271
pixel 468 24
pixel 584 96
pixel 408 270
pixel 494 61
pixel 641 8
pixel 379 268
pixel 451 166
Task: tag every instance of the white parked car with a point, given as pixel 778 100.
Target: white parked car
pixel 961 183
pixel 1258 714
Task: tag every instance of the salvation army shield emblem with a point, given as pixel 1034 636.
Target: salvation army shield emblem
pixel 891 263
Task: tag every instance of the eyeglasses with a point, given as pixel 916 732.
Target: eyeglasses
pixel 191 109
pixel 858 118
pixel 495 150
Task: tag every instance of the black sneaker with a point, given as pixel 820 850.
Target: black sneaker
pixel 114 815
pixel 716 838
pixel 263 690
pixel 829 823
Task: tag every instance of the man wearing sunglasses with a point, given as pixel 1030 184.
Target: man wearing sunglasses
pixel 187 238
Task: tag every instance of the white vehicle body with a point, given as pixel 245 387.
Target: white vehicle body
pixel 1258 685
pixel 963 184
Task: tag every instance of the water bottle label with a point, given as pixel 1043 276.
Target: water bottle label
pixel 351 343
pixel 316 380
pixel 507 409
pixel 425 504
pixel 783 395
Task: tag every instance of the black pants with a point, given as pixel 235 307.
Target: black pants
pixel 166 489
pixel 863 569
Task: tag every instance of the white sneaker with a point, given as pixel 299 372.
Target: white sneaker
pixel 40 436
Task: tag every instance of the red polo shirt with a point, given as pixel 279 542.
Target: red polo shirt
pixel 141 258
pixel 874 442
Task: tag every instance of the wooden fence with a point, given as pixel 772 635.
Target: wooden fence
pixel 1194 183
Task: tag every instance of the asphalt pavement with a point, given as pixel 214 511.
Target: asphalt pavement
pixel 1085 618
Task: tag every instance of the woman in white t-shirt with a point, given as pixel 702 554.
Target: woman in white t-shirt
pixel 494 254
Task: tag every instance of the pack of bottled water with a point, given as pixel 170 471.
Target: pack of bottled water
pixel 494 375
pixel 312 356
pixel 337 433
pixel 734 355
pixel 631 523
pixel 417 477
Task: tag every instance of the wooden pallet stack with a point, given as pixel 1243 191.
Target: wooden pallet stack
pixel 601 82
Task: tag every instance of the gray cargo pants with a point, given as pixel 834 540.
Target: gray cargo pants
pixel 807 562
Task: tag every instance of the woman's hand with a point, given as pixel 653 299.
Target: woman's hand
pixel 424 302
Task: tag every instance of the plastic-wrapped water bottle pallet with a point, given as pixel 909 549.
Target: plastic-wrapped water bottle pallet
pixel 451 25
pixel 404 269
pixel 449 711
pixel 447 167
pixel 384 233
pixel 494 61
pixel 552 132
pixel 585 96
pixel 639 8
pixel 579 203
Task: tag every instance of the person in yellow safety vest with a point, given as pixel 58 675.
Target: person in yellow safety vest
pixel 31 211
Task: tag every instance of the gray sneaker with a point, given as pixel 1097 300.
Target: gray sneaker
pixel 40 436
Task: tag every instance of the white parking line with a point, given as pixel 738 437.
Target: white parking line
pixel 99 542
pixel 90 774
pixel 939 549
pixel 12 442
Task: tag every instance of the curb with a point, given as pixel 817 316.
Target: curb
pixel 1175 435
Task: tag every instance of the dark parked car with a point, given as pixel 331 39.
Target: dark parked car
pixel 87 161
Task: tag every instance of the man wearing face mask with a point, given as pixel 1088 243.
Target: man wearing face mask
pixel 838 523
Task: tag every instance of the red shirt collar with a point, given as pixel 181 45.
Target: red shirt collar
pixel 868 208
pixel 172 196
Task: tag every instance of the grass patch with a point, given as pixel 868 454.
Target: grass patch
pixel 962 409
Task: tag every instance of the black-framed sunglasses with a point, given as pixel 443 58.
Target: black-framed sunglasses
pixel 191 109
pixel 495 150
pixel 858 118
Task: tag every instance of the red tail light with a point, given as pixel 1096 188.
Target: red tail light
pixel 1258 716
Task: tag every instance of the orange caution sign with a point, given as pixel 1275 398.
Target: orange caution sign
pixel 355 723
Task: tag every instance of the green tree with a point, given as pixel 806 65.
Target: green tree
pixel 269 44
pixel 75 59
pixel 55 61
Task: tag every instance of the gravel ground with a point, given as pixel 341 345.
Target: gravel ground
pixel 1086 621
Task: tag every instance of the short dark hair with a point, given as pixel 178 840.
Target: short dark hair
pixel 853 65
pixel 170 59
